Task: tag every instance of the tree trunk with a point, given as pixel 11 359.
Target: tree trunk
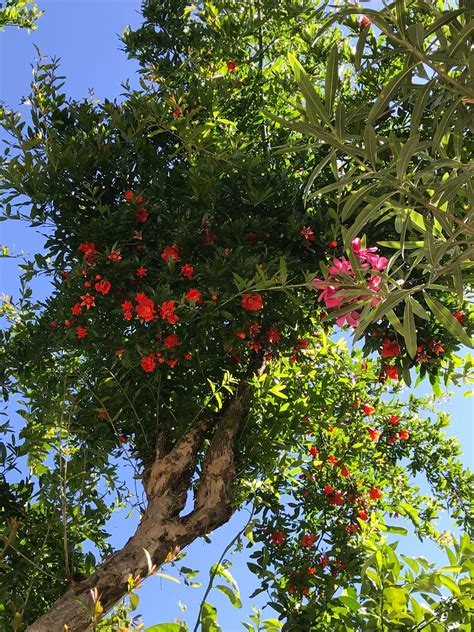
pixel 162 531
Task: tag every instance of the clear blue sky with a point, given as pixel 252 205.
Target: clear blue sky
pixel 83 33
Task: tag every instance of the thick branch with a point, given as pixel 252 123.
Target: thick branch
pixel 162 531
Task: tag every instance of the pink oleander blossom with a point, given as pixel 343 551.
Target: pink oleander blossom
pixel 340 266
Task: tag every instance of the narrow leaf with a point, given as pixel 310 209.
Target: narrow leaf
pixel 444 316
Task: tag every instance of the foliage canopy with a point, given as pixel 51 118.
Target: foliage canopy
pixel 185 226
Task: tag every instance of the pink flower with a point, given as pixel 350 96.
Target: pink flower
pixel 352 319
pixel 340 266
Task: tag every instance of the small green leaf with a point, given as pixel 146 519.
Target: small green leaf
pixel 331 78
pixel 409 329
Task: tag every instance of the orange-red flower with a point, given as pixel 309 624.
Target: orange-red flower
pixel 141 272
pixel 252 302
pixel 187 271
pixel 373 434
pixel 404 434
pixel 368 410
pixel 167 312
pixel 171 253
pixel 145 307
pixel 231 66
pixel 103 287
pixel 390 348
pixel 148 363
pixel 277 537
pixel 81 332
pixel 375 493
pixel 273 335
pixel 141 215
pixel 193 295
pixel 171 341
pixel 308 540
pixel 392 372
pixel 88 301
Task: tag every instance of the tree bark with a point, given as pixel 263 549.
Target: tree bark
pixel 163 531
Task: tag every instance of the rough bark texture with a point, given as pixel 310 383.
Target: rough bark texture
pixel 162 530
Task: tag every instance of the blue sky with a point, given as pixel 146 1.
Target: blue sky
pixel 83 33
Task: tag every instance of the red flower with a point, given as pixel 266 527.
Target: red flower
pixel 252 302
pixel 141 272
pixel 145 307
pixel 392 372
pixel 332 460
pixel 324 561
pixel 129 195
pixel 103 287
pixel 187 356
pixel 301 343
pixel 167 312
pixel 177 113
pixel 404 434
pixel 255 345
pixel 312 570
pixel 172 363
pixel 332 244
pixel 314 451
pixel 368 410
pixel 193 295
pixel 115 255
pixel 394 420
pixel 119 352
pixel 102 414
pixel 336 499
pixel 392 439
pixel 65 274
pixel 308 235
pixel 390 348
pixel 308 540
pixel 273 335
pixel 344 471
pixel 363 515
pixel 231 66
pixel 148 363
pixel 187 271
pixel 373 434
pixel 460 316
pixel 278 537
pixel 141 215
pixel 88 301
pixel 171 341
pixel 171 253
pixel 123 439
pixel 87 284
pixel 240 334
pixel 328 489
pixel 365 22
pixel 76 309
pixel 81 332
pixel 375 493
pixel 53 324
pixel 88 248
pixel 139 199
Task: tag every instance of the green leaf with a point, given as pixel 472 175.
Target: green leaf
pixel 444 316
pixel 370 142
pixel 409 329
pixel 388 92
pixel 134 600
pixel 315 108
pixel 331 78
pixel 405 155
pixel 231 594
